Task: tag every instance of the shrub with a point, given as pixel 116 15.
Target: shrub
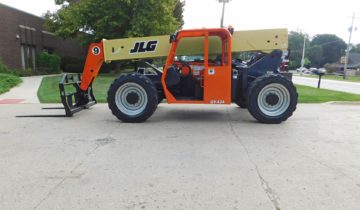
pixel 76 65
pixel 73 68
pixel 7 81
pixel 48 63
pixel 28 72
pixel 331 68
pixel 72 64
pixel 24 73
pixel 3 68
pixel 293 65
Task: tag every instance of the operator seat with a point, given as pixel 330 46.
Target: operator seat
pixel 218 60
pixel 172 76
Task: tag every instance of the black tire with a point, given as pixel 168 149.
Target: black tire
pixel 132 98
pixel 277 97
pixel 241 103
pixel 161 97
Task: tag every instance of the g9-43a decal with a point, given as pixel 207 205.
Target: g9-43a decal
pixel 217 102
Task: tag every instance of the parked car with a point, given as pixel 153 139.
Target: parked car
pixel 319 71
pixel 322 70
pixel 302 69
pixel 307 72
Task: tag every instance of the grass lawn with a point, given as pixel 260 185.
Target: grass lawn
pixel 49 91
pixel 7 81
pixel 314 95
pixel 335 77
pixel 49 88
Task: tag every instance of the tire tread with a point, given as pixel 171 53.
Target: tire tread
pixel 252 97
pixel 149 88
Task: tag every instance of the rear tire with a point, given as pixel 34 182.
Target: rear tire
pixel 272 98
pixel 132 98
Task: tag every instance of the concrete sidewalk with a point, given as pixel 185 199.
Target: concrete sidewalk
pixel 343 86
pixel 26 92
pixel 184 157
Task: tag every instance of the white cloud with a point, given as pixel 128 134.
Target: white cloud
pixel 36 7
pixel 313 17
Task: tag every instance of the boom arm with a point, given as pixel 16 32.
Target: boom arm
pixel 158 46
pixel 94 61
pixel 242 41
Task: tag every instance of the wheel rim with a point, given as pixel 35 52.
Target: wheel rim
pixel 274 99
pixel 131 99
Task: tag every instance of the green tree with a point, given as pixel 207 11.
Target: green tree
pixel 178 12
pixel 296 43
pixel 355 49
pixel 93 20
pixel 332 46
pixel 315 54
pixel 153 17
pixel 307 62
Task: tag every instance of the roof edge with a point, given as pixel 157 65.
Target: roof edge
pixel 19 10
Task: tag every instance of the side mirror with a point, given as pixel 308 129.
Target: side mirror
pixel 231 29
pixel 172 38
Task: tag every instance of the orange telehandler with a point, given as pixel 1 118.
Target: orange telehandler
pixel 199 69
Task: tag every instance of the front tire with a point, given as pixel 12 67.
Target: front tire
pixel 132 98
pixel 241 103
pixel 272 98
pixel 161 97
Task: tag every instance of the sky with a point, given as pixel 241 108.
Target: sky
pixel 308 16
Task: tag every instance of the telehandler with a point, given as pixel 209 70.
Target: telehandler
pixel 199 69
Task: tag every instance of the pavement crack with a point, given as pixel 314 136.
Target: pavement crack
pixel 273 197
pixel 50 193
pixel 73 176
pixel 100 143
pixel 269 191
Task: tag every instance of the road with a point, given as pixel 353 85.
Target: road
pixel 183 157
pixel 350 87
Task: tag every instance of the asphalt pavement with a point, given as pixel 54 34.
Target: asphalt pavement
pixel 343 86
pixel 183 157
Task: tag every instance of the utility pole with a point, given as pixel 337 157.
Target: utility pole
pixel 303 56
pixel 348 46
pixel 223 11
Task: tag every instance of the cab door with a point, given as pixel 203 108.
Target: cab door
pixel 217 72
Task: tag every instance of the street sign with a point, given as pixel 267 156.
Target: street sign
pixel 342 60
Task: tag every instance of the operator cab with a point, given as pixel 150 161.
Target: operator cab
pixel 202 74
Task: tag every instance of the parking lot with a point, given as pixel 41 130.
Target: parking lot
pixel 183 157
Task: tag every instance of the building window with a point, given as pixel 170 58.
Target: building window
pixel 49 50
pixel 28 57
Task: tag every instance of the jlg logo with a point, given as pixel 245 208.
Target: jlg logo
pixel 141 47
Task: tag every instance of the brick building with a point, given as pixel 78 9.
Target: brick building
pixel 23 37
